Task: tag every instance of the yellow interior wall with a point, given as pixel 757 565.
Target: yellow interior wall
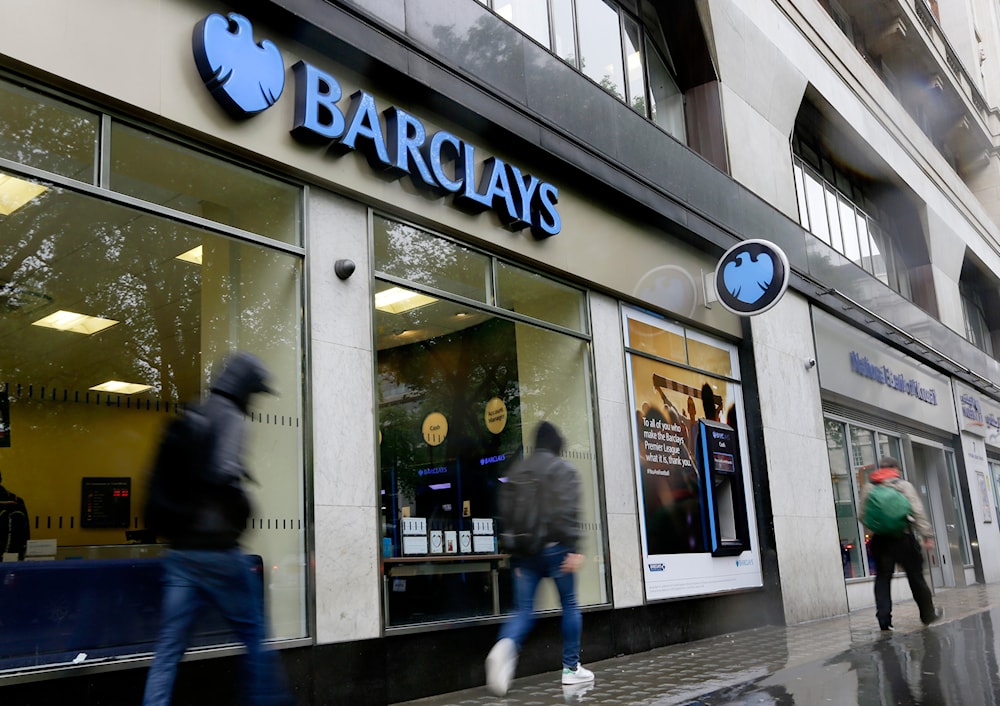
pixel 55 444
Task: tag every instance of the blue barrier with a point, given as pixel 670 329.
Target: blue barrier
pixel 52 611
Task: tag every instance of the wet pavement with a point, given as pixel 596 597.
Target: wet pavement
pixel 843 661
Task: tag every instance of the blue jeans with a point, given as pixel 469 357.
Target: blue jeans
pixel 193 579
pixel 528 573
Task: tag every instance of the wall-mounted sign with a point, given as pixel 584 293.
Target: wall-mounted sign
pixel 247 77
pixel 978 414
pixel 435 428
pixel 860 367
pixel 495 415
pixel 751 277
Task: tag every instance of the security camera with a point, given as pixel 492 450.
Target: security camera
pixel 810 363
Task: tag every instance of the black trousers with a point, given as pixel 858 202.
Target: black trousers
pixel 905 551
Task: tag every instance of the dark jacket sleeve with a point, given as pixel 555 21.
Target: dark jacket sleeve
pixel 565 494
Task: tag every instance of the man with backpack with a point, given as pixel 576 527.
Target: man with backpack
pixel 892 511
pixel 15 528
pixel 204 565
pixel 548 549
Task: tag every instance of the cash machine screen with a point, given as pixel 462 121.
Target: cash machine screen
pixel 723 463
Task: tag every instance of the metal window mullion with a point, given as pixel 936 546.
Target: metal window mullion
pixel 577 58
pixel 104 152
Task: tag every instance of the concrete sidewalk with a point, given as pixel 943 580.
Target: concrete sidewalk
pixel 685 673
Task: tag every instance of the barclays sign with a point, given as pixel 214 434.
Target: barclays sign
pixel 247 77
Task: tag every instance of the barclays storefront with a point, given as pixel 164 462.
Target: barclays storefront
pixel 426 288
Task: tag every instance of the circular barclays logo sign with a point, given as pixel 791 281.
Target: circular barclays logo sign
pixel 751 277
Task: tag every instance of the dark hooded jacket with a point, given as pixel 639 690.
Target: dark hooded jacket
pixel 222 503
pixel 560 483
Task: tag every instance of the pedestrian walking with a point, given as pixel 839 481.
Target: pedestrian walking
pixel 893 512
pixel 204 565
pixel 554 554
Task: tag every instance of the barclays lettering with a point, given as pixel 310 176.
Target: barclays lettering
pixel 247 77
pixel 897 381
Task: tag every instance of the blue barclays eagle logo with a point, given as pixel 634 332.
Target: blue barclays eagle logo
pixel 751 277
pixel 245 77
pixel 748 277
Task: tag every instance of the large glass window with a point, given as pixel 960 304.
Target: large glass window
pixel 609 46
pixel 601 45
pixel 166 173
pixel 47 134
pixel 462 385
pixel 111 318
pixel 834 218
pixel 974 310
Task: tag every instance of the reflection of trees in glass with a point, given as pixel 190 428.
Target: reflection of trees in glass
pixel 70 252
pixel 407 252
pixel 41 133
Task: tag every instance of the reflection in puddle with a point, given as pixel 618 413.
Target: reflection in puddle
pixel 950 664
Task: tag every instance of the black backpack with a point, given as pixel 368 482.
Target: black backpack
pixel 15 530
pixel 523 522
pixel 178 477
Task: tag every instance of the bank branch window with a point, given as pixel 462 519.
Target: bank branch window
pixel 854 452
pixel 473 353
pixel 692 467
pixel 111 319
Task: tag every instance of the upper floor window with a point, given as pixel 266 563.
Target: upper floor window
pixel 608 46
pixel 834 206
pixel 980 300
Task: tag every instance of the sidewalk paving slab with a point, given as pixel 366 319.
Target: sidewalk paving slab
pixel 680 674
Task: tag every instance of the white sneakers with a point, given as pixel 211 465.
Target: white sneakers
pixel 502 661
pixel 500 665
pixel 580 675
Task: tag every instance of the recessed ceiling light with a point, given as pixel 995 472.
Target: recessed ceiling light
pixel 15 192
pixel 77 323
pixel 121 388
pixel 396 300
pixel 192 255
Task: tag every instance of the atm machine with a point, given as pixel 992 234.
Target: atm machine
pixel 723 497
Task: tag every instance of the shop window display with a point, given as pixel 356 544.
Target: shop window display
pixel 461 386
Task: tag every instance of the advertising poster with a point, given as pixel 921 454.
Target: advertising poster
pixel 669 400
pixel 4 419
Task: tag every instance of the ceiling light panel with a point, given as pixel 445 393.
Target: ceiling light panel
pixel 77 323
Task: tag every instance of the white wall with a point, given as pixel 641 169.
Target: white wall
pixel 343 423
pixel 616 453
pixel 805 523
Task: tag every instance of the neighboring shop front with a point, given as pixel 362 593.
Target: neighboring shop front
pixel 979 421
pixel 878 402
pixel 422 312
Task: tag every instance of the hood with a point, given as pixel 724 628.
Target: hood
pixel 548 437
pixel 243 376
pixel 880 475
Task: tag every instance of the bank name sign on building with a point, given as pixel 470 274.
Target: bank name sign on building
pixel 246 78
pixel 860 368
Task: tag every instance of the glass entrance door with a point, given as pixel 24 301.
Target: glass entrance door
pixel 933 474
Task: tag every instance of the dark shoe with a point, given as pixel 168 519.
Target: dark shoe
pixel 886 628
pixel 938 614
